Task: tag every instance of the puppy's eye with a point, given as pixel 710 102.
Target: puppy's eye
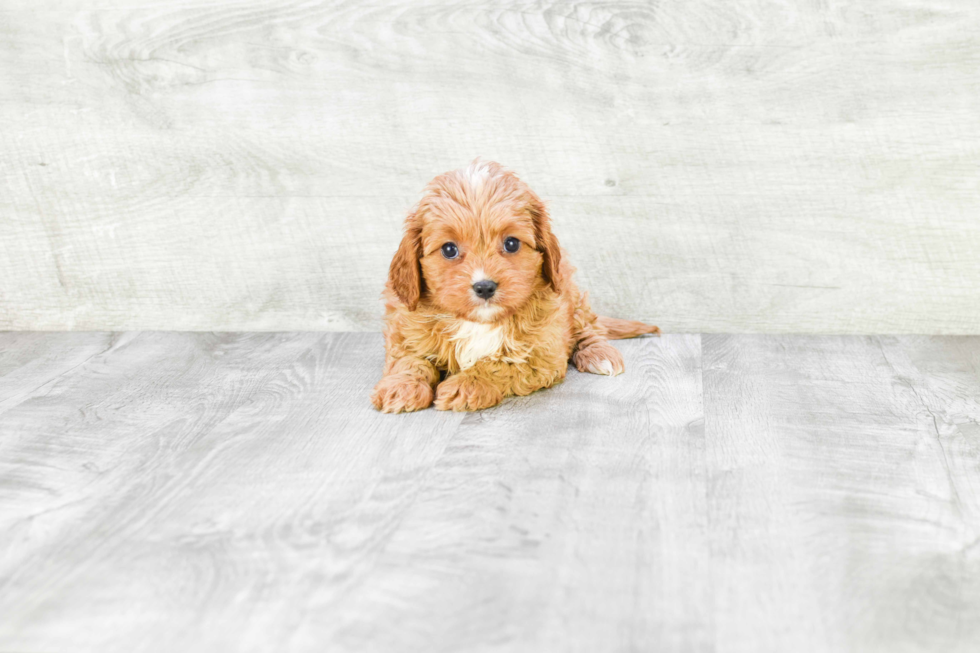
pixel 449 250
pixel 511 244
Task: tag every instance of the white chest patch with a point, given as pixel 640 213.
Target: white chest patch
pixel 475 340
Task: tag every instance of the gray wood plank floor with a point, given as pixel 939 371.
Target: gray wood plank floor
pixel 237 492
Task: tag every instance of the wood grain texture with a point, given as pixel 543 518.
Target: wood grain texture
pixel 233 492
pixel 757 166
pixel 185 492
pixel 202 492
pixel 844 494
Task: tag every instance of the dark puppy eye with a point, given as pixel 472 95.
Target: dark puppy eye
pixel 449 250
pixel 511 244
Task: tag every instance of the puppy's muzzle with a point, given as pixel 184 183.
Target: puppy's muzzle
pixel 485 289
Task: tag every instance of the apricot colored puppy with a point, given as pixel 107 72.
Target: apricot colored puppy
pixel 479 293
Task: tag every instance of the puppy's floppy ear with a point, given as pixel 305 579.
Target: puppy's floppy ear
pixel 547 243
pixel 405 273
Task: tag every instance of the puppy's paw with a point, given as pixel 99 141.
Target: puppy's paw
pixel 600 358
pixel 466 392
pixel 401 393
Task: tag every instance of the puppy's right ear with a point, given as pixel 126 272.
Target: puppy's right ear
pixel 405 274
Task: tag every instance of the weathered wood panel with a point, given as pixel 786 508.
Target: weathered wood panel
pixel 153 492
pixel 844 492
pixel 753 166
pixel 199 492
pixel 195 492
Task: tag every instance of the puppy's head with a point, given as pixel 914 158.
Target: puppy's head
pixel 478 245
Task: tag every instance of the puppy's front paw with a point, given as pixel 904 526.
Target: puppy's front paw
pixel 466 392
pixel 600 358
pixel 401 393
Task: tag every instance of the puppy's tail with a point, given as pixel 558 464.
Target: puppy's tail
pixel 620 329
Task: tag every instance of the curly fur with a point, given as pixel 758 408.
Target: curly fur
pixel 444 345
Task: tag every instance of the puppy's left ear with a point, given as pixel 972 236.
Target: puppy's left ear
pixel 405 273
pixel 547 243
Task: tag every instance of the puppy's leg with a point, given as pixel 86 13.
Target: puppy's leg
pixel 593 353
pixel 598 357
pixel 407 385
pixel 488 382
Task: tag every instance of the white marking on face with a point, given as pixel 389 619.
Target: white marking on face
pixel 477 174
pixel 476 340
pixel 487 313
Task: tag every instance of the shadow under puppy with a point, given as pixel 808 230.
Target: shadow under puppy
pixel 480 290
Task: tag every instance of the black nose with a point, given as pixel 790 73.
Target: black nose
pixel 484 289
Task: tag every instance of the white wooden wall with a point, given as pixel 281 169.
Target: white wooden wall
pixel 752 165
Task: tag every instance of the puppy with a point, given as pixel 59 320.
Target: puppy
pixel 480 303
